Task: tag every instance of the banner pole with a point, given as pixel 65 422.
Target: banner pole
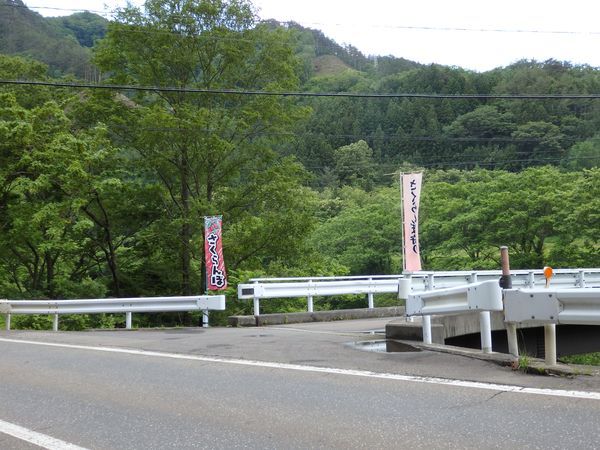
pixel 204 265
pixel 402 223
pixel 203 313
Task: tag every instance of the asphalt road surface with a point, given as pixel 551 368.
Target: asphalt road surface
pixel 281 387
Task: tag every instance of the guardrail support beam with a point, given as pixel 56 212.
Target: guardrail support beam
pixel 426 329
pixel 485 325
pixel 55 323
pixel 550 344
pixel 310 305
pixel 511 334
pixel 128 320
pixel 427 319
pixel 581 279
pixel 256 306
pixel 256 300
pixel 7 320
pixel 205 318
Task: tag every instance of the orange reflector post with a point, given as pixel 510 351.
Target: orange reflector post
pixel 548 272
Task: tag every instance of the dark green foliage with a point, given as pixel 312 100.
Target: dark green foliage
pixel 86 27
pixel 544 215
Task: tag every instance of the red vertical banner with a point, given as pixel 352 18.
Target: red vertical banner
pixel 216 277
pixel 411 193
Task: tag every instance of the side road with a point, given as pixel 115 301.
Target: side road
pixel 322 344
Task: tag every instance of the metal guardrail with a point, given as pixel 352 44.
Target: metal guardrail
pixel 112 305
pixel 480 297
pixel 549 307
pixel 476 297
pixel 558 306
pixel 310 287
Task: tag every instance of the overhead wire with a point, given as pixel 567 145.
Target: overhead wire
pixel 369 136
pixel 409 95
pixel 362 25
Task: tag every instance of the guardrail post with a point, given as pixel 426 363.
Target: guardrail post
pixel 309 299
pixel 485 326
pixel 550 344
pixel 426 329
pixel 581 279
pixel 128 320
pixel 55 323
pixel 506 283
pixel 531 279
pixel 427 319
pixel 256 301
pixel 511 335
pixel 370 295
pixel 404 289
pixel 7 322
pixel 205 318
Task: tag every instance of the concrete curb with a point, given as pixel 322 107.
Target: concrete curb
pixel 534 366
pixel 318 316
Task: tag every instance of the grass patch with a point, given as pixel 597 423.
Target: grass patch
pixel 588 359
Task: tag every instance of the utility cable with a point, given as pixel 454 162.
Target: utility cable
pixel 304 94
pixel 361 25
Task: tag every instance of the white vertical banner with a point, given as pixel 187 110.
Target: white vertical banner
pixel 411 193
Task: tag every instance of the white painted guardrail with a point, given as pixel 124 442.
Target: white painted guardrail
pixel 128 306
pixel 558 306
pixel 310 287
pixel 476 297
pixel 549 307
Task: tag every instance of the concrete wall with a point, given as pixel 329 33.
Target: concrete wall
pixel 317 316
pixel 463 331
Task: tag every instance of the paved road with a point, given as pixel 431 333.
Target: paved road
pixel 281 387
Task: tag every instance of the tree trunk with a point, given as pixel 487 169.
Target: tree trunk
pixel 186 231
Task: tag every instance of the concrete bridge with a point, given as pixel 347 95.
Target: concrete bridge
pixel 464 331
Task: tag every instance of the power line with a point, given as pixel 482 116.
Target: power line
pixel 361 25
pixel 460 29
pixel 453 162
pixel 53 8
pixel 368 136
pixel 180 90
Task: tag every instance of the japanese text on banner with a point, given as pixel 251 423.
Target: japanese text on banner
pixel 216 277
pixel 411 193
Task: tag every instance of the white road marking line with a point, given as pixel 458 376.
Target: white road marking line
pixel 33 437
pixel 329 370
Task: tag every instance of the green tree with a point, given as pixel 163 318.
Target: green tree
pixel 540 142
pixel 41 232
pixel 584 155
pixel 577 224
pixel 365 235
pixel 354 165
pixel 210 151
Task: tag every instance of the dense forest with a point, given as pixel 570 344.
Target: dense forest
pixel 103 192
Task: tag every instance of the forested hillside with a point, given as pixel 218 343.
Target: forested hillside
pixel 103 192
pixel 62 43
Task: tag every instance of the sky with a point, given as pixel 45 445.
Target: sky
pixel 474 34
